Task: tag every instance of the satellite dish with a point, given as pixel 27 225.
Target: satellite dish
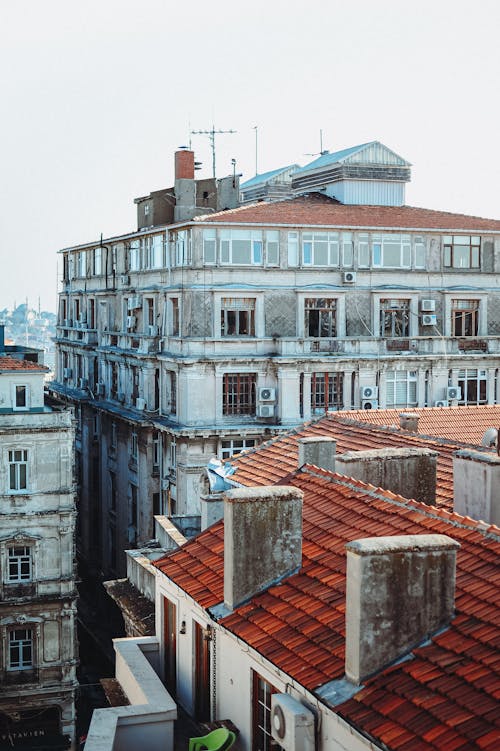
pixel 489 439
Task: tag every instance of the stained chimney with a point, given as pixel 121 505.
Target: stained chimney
pixel 262 539
pixel 409 421
pixel 476 485
pixel 410 472
pixel 185 186
pixel 318 450
pixel 400 590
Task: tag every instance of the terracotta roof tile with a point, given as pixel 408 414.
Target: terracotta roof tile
pixel 8 364
pixel 446 696
pixel 320 210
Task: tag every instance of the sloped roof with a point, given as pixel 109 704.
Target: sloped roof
pixel 270 462
pixel 445 697
pixel 8 364
pixel 465 424
pixel 327 159
pixel 264 176
pixel 318 210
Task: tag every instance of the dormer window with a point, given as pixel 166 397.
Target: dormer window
pixel 21 397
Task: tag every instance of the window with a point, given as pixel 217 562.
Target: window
pixel 19 565
pixel 82 263
pixel 293 248
pixel 20 649
pixel 364 251
pixel 209 245
pixel 21 397
pixel 237 316
pixel 473 384
pixel 150 311
pixel 112 491
pixel 272 247
pixel 391 251
pixel 114 380
pixel 132 537
pixel 18 469
pixel 155 251
pixel 261 715
pixel 401 388
pixel 156 451
pixel 461 251
pixel 347 249
pixel 182 241
pixel 133 447
pixel 174 317
pixel 241 246
pixel 464 317
pixel 419 253
pixel 114 436
pixel 97 268
pixel 171 392
pixel 234 446
pixel 394 318
pixel 135 255
pixel 320 248
pixel 238 394
pixel 326 392
pixel 320 316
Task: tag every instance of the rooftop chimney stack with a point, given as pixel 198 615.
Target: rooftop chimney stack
pixel 400 590
pixel 476 485
pixel 318 450
pixel 409 421
pixel 410 472
pixel 185 186
pixel 262 539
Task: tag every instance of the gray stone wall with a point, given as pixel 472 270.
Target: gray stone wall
pixel 358 313
pixel 280 314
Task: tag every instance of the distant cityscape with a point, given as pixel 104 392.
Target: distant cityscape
pixel 27 326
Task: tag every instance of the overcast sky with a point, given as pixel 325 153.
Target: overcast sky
pixel 97 95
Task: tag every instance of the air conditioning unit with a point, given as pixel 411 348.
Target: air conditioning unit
pixel 133 303
pixel 292 724
pixel 349 277
pixel 265 410
pixel 83 383
pixel 100 389
pixel 153 330
pixel 267 395
pixel 125 279
pixel 369 404
pixel 429 319
pixel 121 397
pixel 369 392
pixel 131 322
pixel 454 392
pixel 140 404
pixel 428 306
pixel 67 372
pixel 441 403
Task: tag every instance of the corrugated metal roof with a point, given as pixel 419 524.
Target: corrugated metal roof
pixel 262 178
pixel 340 156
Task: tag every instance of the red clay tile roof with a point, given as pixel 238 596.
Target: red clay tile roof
pixel 272 461
pixel 446 697
pixel 464 424
pixel 12 363
pixel 316 209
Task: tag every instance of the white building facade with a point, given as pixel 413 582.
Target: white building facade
pixel 38 645
pixel 207 336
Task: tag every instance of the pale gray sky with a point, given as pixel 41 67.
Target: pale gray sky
pixel 97 95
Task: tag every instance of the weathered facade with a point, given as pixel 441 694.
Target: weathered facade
pixel 38 646
pixel 209 335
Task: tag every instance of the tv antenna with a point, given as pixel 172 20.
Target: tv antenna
pixel 321 149
pixel 211 134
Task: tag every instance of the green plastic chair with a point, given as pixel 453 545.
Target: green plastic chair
pixel 218 740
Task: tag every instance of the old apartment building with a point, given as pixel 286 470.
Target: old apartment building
pixel 38 647
pixel 214 329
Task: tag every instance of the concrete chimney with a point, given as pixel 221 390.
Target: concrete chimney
pixel 410 472
pixel 409 421
pixel 318 450
pixel 476 485
pixel 400 590
pixel 185 186
pixel 262 539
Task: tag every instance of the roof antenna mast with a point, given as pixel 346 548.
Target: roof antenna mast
pixel 211 134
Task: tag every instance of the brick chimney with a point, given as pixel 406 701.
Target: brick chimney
pixel 184 186
pixel 410 472
pixel 400 590
pixel 409 421
pixel 476 485
pixel 262 539
pixel 318 450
